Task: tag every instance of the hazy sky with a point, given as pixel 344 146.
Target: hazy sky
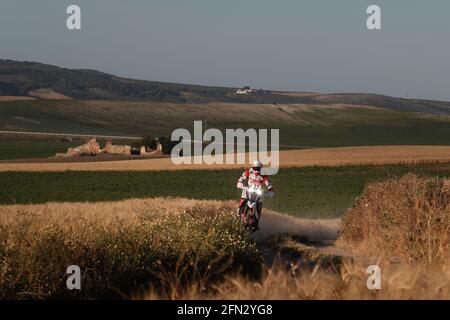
pixel 313 45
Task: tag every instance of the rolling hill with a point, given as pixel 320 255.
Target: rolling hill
pixel 40 98
pixel 28 78
pixel 21 78
pixel 301 125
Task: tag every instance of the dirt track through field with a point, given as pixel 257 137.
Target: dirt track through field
pixel 313 230
pixel 272 224
pixel 314 235
pixel 292 158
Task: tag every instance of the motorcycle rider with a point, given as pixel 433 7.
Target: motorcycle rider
pixel 253 177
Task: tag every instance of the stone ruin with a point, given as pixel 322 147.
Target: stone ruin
pixel 92 148
pixel 158 150
pixel 116 149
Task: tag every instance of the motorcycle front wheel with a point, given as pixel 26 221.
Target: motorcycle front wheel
pixel 248 219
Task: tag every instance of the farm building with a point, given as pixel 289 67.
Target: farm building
pixel 245 90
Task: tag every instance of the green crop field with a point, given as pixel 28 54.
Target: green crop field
pixel 32 149
pixel 306 192
pixel 301 126
pixel 29 149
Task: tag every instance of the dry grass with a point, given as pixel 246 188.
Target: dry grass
pixel 119 247
pixel 39 241
pixel 74 213
pixel 117 241
pixel 295 158
pixel 15 98
pixel 48 94
pixel 128 211
pixel 407 218
pixel 350 282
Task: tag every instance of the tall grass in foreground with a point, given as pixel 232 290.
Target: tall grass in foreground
pixel 181 249
pixel 408 218
pixel 349 282
pixel 120 247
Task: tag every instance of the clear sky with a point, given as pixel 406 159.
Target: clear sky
pixel 304 45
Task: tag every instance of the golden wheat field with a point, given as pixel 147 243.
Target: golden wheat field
pixel 291 158
pixel 74 213
pixel 15 98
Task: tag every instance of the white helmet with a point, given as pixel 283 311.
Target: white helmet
pixel 257 165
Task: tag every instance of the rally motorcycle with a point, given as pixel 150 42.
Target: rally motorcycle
pixel 250 211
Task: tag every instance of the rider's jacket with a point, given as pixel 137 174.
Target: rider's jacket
pixel 252 178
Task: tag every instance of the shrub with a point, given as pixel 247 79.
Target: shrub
pixel 118 254
pixel 147 141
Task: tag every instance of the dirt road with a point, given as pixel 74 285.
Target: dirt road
pixel 312 230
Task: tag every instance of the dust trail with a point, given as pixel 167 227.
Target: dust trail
pixel 314 230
